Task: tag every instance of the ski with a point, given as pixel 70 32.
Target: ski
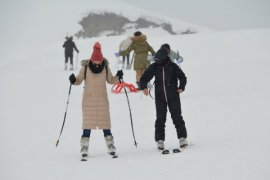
pixel 183 146
pixel 84 157
pixel 113 155
pixel 176 150
pixel 167 151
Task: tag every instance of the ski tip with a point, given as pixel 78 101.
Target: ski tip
pixel 184 146
pixel 176 151
pixel 166 151
pixel 57 142
pixel 113 155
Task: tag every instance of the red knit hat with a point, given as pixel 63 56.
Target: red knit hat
pixel 97 54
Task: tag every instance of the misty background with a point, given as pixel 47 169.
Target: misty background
pixel 216 14
pixel 22 21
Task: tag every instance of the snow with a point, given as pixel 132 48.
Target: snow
pixel 225 106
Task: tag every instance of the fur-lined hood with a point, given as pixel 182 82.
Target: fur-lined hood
pixel 139 38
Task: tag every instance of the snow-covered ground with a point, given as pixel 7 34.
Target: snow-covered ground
pixel 225 106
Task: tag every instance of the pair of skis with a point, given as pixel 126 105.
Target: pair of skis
pixel 113 155
pixel 175 150
pixel 167 151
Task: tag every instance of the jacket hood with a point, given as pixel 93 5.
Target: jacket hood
pixel 139 38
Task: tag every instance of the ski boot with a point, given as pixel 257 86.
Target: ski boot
pixel 66 65
pixel 160 145
pixel 84 148
pixel 71 67
pixel 110 145
pixel 139 86
pixel 183 142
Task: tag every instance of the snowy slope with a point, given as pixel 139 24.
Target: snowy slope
pixel 225 104
pixel 29 26
pixel 225 107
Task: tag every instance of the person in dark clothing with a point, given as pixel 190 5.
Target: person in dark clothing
pixel 167 89
pixel 69 45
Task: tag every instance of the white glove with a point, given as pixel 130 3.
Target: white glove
pixel 150 58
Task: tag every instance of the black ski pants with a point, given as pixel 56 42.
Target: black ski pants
pixel 174 106
pixel 70 56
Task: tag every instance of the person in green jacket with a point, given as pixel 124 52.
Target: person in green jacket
pixel 141 48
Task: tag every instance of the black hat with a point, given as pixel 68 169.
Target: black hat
pixel 137 33
pixel 161 54
pixel 161 57
pixel 166 46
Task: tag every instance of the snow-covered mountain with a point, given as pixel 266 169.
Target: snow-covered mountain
pixel 225 106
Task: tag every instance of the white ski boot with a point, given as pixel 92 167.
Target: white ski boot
pixel 110 145
pixel 71 67
pixel 160 145
pixel 183 142
pixel 66 65
pixel 84 148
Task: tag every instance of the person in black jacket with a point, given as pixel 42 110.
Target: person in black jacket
pixel 69 45
pixel 167 89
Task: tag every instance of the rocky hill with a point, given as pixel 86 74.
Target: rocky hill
pixel 112 24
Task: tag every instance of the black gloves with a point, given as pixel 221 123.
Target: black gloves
pixel 72 78
pixel 120 74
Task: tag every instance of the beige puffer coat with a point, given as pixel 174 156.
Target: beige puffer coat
pixel 95 104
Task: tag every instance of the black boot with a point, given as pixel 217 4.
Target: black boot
pixel 138 84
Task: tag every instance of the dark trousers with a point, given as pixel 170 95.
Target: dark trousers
pixel 126 57
pixel 176 115
pixel 87 132
pixel 70 56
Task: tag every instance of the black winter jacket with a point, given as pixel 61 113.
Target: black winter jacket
pixel 69 45
pixel 167 79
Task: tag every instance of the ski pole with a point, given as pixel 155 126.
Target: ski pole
pixel 132 59
pixel 135 143
pixel 77 61
pixel 65 115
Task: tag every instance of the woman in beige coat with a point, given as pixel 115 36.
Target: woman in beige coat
pixel 95 105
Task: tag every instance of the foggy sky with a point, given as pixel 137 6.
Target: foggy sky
pixel 215 14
